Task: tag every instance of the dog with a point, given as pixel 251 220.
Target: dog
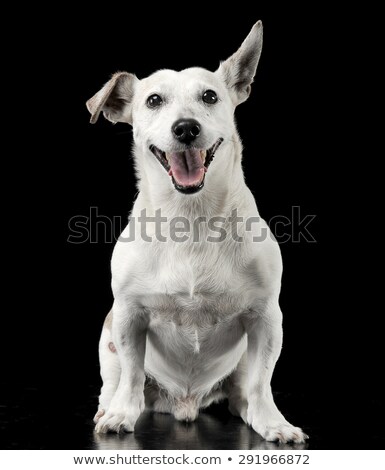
pixel 193 322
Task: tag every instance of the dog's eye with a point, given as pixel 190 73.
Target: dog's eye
pixel 210 97
pixel 154 101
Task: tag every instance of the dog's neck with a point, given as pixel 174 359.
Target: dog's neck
pixel 221 193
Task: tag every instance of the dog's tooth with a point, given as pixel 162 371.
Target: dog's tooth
pixel 203 155
pixel 167 156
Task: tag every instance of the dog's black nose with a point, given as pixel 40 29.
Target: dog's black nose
pixel 186 130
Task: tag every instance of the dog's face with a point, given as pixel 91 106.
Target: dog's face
pixel 181 118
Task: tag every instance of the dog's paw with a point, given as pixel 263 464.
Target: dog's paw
pixel 121 420
pixel 98 415
pixel 186 409
pixel 121 416
pixel 277 430
pixel 265 418
pixel 282 432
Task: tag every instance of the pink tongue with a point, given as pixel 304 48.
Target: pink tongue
pixel 187 167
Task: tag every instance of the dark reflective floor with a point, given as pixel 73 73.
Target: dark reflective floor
pixel 34 418
pixel 210 431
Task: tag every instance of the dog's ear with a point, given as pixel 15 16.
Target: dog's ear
pixel 238 70
pixel 114 99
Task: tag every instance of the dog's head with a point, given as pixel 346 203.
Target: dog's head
pixel 181 118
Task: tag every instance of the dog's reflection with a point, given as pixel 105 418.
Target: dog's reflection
pixel 163 431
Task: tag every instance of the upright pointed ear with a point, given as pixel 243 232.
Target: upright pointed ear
pixel 238 70
pixel 114 99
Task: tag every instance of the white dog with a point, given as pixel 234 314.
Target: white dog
pixel 195 319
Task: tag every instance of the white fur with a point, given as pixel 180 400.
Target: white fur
pixel 201 319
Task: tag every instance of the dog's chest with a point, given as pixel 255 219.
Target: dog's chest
pixel 195 327
pixel 195 296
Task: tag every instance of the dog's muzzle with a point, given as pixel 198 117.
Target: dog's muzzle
pixel 188 168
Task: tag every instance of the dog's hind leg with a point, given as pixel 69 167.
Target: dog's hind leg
pixel 235 388
pixel 155 398
pixel 109 368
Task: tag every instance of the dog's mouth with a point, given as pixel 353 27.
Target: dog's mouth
pixel 188 168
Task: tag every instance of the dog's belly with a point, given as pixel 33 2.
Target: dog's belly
pixel 192 346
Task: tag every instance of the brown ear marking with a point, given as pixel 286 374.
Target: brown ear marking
pixel 112 98
pixel 239 69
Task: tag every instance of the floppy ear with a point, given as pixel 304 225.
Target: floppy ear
pixel 238 70
pixel 114 99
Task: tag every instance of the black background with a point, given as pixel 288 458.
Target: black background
pixel 330 358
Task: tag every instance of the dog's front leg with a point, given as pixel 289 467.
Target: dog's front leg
pixel 264 336
pixel 129 329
